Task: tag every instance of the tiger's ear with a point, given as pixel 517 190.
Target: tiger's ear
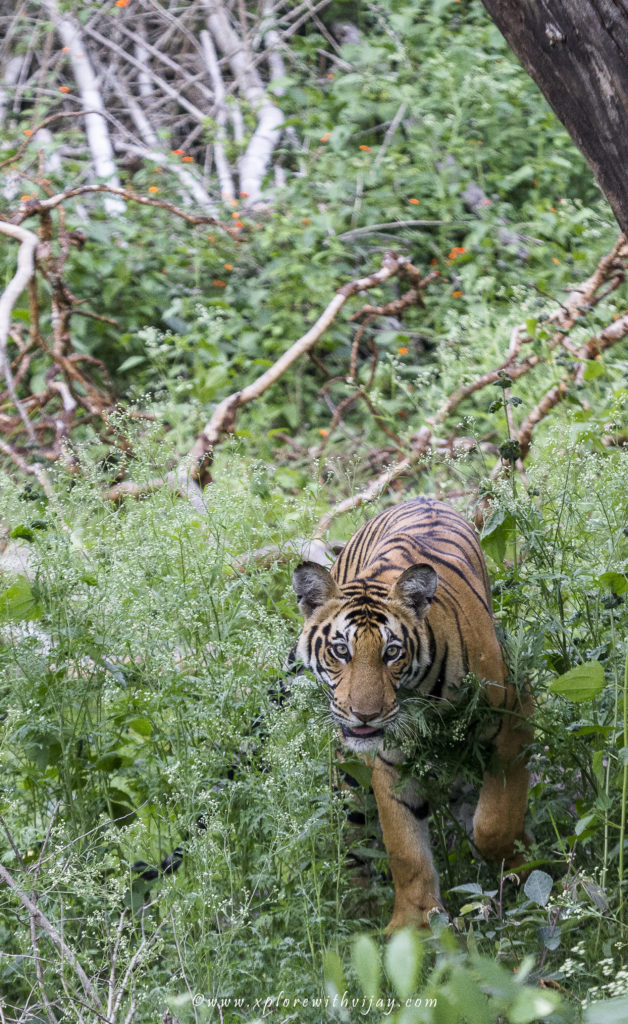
pixel 415 588
pixel 314 586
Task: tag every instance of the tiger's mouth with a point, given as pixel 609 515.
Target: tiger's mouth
pixel 362 730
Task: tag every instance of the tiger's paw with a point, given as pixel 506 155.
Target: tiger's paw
pixel 413 916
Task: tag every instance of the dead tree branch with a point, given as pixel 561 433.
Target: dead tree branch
pixel 223 418
pixel 610 271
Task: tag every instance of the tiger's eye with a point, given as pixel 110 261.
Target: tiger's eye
pixel 393 651
pixel 340 650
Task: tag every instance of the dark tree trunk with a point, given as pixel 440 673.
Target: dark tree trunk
pixel 577 53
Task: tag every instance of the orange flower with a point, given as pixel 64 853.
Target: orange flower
pixel 326 137
pixel 218 283
pixel 153 188
pixel 458 250
pixel 28 131
pixel 306 221
pixel 415 202
pixel 403 351
pixel 63 88
pixel 235 214
pixel 330 75
pixel 121 3
pixel 239 224
pixel 188 159
pixel 323 432
pixel 178 152
pixel 24 199
pixel 553 209
pixel 555 260
pixel 65 49
pixel 244 195
pixel 457 295
pixel 228 266
pixel 365 149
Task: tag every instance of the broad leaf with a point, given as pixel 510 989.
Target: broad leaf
pixel 538 887
pixel 367 965
pixel 403 958
pixel 581 683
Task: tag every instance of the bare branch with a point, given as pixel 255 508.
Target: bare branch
pixel 95 123
pixel 42 922
pixel 577 303
pixel 34 206
pixel 17 284
pixel 223 418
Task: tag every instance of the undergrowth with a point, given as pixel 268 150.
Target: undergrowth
pixel 143 710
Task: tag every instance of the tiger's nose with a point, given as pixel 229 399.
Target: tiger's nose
pixel 365 717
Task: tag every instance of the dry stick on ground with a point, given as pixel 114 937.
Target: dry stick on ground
pixel 577 304
pixel 223 419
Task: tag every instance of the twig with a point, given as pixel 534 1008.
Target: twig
pixel 42 921
pixel 396 225
pixel 223 418
pixel 390 133
pixel 35 206
pixel 583 296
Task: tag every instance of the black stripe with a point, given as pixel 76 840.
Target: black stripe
pixel 420 812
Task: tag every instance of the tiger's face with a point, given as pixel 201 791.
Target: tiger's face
pixel 364 642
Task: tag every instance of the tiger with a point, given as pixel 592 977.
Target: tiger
pixel 407 607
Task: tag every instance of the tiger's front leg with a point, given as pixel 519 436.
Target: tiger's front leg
pixel 403 817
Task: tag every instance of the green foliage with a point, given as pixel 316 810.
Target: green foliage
pixel 460 988
pixel 140 705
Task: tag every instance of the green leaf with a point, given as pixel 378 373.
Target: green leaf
pixel 584 823
pixel 550 936
pixel 129 363
pixel 581 683
pixel 531 1004
pixel 22 532
pixel 598 768
pixel 512 180
pixel 358 771
pixel 593 368
pixel 496 534
pixel 538 887
pixel 403 957
pixel 615 581
pixel 18 603
pixel 531 326
pixel 334 973
pixel 608 1011
pixel 367 965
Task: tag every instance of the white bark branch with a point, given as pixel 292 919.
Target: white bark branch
pixel 256 158
pixel 169 90
pixel 96 127
pixel 225 178
pixel 17 284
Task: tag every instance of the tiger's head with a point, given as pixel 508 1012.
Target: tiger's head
pixel 364 641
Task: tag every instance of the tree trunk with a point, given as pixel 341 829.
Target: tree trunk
pixel 577 53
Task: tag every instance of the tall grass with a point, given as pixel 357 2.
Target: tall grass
pixel 142 709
